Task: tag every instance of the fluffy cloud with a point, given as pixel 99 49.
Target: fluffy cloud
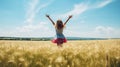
pixel 97 32
pixel 109 32
pixel 32 27
pixel 37 30
pixel 104 30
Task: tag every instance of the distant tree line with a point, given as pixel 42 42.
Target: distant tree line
pixel 28 39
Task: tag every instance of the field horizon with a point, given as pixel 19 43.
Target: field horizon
pixel 50 38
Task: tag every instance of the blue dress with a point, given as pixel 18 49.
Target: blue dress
pixel 59 34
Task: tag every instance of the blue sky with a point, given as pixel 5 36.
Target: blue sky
pixel 91 18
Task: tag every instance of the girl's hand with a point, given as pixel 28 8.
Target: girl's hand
pixel 47 15
pixel 70 16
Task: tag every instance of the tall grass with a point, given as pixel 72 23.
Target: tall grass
pixel 96 53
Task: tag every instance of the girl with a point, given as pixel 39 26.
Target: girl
pixel 59 26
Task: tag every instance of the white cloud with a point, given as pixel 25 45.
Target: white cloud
pixel 33 27
pixel 77 10
pixel 35 30
pixel 33 8
pixel 104 30
pixel 97 32
pixel 85 6
pixel 104 3
pixel 107 32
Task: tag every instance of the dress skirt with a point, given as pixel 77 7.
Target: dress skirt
pixel 59 39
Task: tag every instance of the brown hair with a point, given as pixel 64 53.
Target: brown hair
pixel 59 24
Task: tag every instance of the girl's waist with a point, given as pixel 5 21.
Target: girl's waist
pixel 59 33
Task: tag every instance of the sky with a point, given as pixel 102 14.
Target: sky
pixel 91 18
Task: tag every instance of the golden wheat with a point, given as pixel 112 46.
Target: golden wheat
pixel 96 53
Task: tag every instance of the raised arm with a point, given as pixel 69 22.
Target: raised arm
pixel 50 19
pixel 68 19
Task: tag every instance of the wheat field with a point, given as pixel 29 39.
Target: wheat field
pixel 89 53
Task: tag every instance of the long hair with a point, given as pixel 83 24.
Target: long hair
pixel 59 24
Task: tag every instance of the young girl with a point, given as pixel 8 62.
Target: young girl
pixel 59 26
